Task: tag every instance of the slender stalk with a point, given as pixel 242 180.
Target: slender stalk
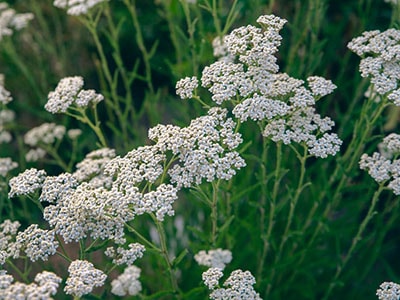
pixel 371 212
pixel 214 212
pixel 293 203
pixel 164 251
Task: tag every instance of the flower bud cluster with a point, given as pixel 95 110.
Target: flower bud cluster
pixel 127 283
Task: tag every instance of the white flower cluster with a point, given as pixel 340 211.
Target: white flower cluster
pixel 77 7
pixel 92 166
pixel 47 133
pixel 5 96
pixel 83 277
pixel 239 285
pixel 384 166
pixel 55 188
pixel 380 61
pixel 6 165
pixel 127 283
pixel 6 115
pixel 37 243
pixel 126 256
pixel 69 92
pixel 186 86
pixel 27 182
pixel 8 246
pixel 45 285
pixel 388 291
pixel 10 20
pixel 205 149
pixel 217 258
pixel 247 71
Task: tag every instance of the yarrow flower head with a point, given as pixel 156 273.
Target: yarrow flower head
pixel 27 182
pixel 9 248
pixel 45 285
pixel 47 133
pixel 70 92
pixel 6 165
pixel 77 7
pixel 217 258
pixel 126 256
pixel 10 20
pixel 5 96
pixel 388 291
pixel 384 166
pixel 127 283
pixel 380 60
pixel 186 86
pixel 37 243
pixel 239 285
pixel 247 71
pixel 83 278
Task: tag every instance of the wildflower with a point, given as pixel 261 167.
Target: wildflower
pixel 320 86
pixel 10 21
pixel 239 285
pixel 126 256
pixel 37 243
pixel 380 60
pixel 27 182
pixel 127 283
pixel 388 291
pixel 217 258
pixel 8 246
pixel 55 188
pixel 186 86
pixel 47 133
pixel 93 164
pixel 6 165
pixel 5 96
pixel 35 154
pixel 77 7
pixel 69 92
pixel 45 285
pixel 383 166
pixel 211 277
pixel 83 277
pixel 205 149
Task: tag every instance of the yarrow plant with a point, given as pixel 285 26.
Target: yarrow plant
pixel 123 196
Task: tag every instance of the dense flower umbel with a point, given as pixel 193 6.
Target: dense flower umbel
pixel 83 277
pixel 127 283
pixel 9 248
pixel 10 21
pixel 239 285
pixel 69 92
pixel 6 165
pixel 380 61
pixel 46 284
pixel 384 166
pixel 217 258
pixel 388 291
pixel 247 75
pixel 5 96
pixel 77 7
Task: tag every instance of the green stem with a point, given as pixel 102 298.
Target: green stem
pixel 164 251
pixel 293 203
pixel 371 212
pixel 214 212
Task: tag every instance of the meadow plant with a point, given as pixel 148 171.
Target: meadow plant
pixel 208 149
